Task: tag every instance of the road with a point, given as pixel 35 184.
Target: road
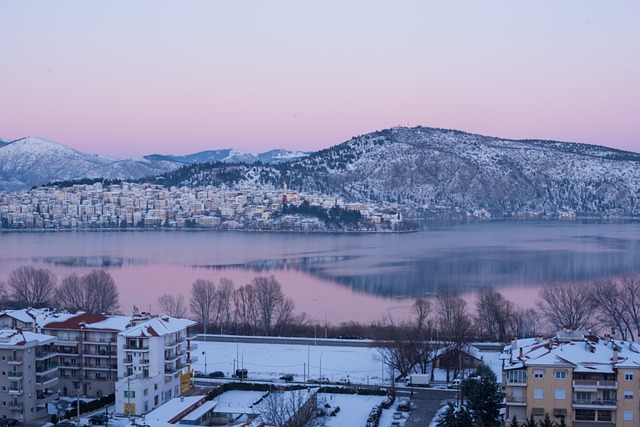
pixel 278 340
pixel 425 403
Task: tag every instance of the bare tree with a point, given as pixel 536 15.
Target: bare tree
pixel 95 292
pixel 451 314
pixel 71 294
pixel 421 308
pixel 272 306
pixel 495 315
pixel 32 287
pixel 102 292
pixel 173 306
pixel 609 307
pixel 203 302
pixel 528 323
pixel 566 306
pixel 225 303
pixel 245 308
pixel 630 290
pixel 291 408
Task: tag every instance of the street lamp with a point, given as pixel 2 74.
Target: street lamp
pixel 205 362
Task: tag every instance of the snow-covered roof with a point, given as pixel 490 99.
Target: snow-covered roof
pixel 20 315
pixel 10 338
pixel 173 408
pixel 585 352
pixel 85 321
pixel 157 327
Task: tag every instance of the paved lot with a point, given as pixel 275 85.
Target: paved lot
pixel 425 403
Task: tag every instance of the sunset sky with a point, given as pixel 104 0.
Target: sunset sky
pixel 127 78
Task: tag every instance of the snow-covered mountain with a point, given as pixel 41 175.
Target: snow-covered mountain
pixel 32 161
pixel 426 168
pixel 230 155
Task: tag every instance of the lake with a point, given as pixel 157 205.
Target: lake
pixel 341 276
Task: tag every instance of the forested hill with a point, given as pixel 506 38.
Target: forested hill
pixel 426 168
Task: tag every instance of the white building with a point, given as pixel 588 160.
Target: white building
pixel 154 358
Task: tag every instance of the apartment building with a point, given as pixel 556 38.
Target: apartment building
pixel 29 377
pixel 85 351
pixel 586 379
pixel 154 358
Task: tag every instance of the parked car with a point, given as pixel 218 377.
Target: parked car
pixel 404 404
pixel 198 373
pixel 455 383
pixel 344 381
pixel 98 419
pixel 397 415
pixel 321 380
pixel 287 378
pixel 217 374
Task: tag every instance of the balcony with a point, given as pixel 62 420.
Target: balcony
pixel 172 357
pixel 14 360
pixel 67 339
pixel 602 384
pixel 192 359
pixel 49 367
pixel 104 367
pixel 101 353
pixel 15 392
pixel 42 355
pixel 44 398
pixel 135 347
pixel 45 383
pixel 594 403
pixel 192 346
pixel 516 401
pixel 15 406
pixel 96 340
pixel 15 374
pixel 127 361
pixel 517 382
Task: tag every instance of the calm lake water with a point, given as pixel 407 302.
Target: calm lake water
pixel 343 277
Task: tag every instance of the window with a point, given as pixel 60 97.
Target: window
pixel 538 373
pixel 585 415
pixel 628 375
pixel 537 412
pixel 146 392
pixel 517 376
pixel 627 415
pixel 561 394
pixel 538 393
pixel 561 375
pixel 604 415
pixel 628 395
pixel 559 412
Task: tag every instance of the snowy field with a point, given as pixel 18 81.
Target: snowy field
pixel 360 365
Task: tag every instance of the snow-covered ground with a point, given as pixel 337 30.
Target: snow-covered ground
pixel 354 410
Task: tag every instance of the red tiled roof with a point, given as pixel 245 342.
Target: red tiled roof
pixel 77 322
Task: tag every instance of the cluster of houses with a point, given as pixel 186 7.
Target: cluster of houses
pixel 128 205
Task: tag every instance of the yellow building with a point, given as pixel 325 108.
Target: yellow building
pixel 586 379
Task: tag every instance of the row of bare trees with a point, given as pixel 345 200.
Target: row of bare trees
pixel 259 307
pixel 28 286
pixel 445 324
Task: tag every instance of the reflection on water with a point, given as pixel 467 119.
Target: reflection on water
pixel 359 275
pixel 93 262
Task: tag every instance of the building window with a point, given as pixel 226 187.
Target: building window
pixel 537 412
pixel 561 394
pixel 628 375
pixel 538 393
pixel 560 375
pixel 627 415
pixel 559 412
pixel 604 415
pixel 517 376
pixel 538 373
pixel 585 415
pixel 628 395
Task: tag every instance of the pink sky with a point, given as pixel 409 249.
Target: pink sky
pixel 129 78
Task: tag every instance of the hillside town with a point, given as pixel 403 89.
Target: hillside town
pixel 149 206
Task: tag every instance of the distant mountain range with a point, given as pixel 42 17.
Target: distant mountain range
pixel 32 161
pixel 423 169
